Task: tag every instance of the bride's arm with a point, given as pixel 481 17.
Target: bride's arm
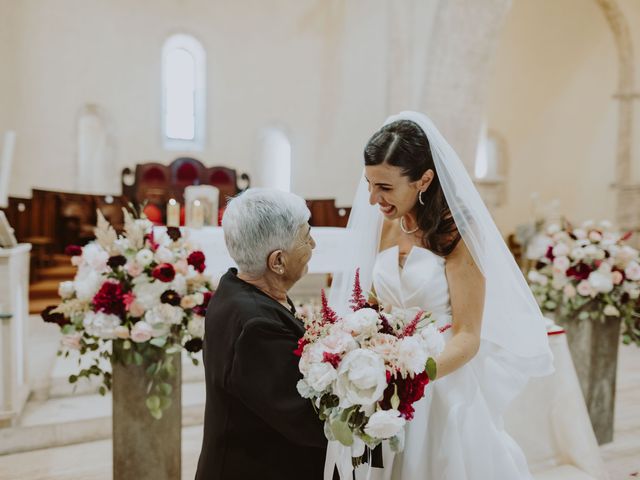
pixel 466 290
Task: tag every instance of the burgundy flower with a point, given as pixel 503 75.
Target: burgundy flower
pixel 328 315
pixel 410 390
pixel 194 345
pixel 580 271
pixel 357 298
pixel 549 253
pixel 171 297
pixel 73 250
pixel 196 259
pixel 164 272
pixel 202 308
pixel 110 299
pixel 153 245
pixel 301 344
pixel 116 261
pixel 57 318
pixel 332 358
pixel 174 233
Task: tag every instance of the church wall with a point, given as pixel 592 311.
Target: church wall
pixel 315 68
pixel 551 99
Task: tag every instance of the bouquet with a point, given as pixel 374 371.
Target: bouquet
pixel 365 371
pixel 137 298
pixel 589 273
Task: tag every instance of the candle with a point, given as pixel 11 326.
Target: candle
pixel 173 213
pixel 197 214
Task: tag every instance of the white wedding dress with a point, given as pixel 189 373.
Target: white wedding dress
pixel 457 432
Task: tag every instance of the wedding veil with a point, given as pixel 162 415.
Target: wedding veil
pixel 512 319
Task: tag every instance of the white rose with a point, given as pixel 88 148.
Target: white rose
pixel 164 255
pixel 312 354
pixel 100 324
pixel 611 311
pixel 321 375
pixel 179 284
pixel 66 290
pixel 141 332
pixel 560 250
pixel 601 281
pixel 304 389
pixel 559 281
pixel 86 284
pixel 580 233
pixel 412 354
pixel 384 424
pixel 148 293
pixel 561 264
pixel 196 326
pixel 633 271
pixel 161 317
pixel 363 322
pixel 71 341
pixel 626 254
pixel 121 332
pixel 578 253
pixel 122 245
pixel 553 228
pixel 606 225
pixel 144 257
pixel 569 291
pixel 538 247
pixel 362 378
pixel 536 277
pixel 95 257
pixel 434 340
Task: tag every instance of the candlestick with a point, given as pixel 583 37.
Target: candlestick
pixel 173 213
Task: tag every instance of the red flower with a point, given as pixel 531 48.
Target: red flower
pixel 328 315
pixel 301 344
pixel 357 299
pixel 580 271
pixel 153 245
pixel 73 250
pixel 549 253
pixel 110 299
pixel 332 358
pixel 164 272
pixel 410 390
pixel 174 233
pixel 196 259
pixel 410 328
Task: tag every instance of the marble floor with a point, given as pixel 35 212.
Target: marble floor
pixel 92 460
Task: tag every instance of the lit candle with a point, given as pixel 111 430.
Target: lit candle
pixel 197 214
pixel 173 213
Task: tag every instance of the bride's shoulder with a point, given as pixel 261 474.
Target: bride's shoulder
pixel 389 235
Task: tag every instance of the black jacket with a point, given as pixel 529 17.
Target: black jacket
pixel 256 425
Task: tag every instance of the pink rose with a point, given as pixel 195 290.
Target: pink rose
pixel 141 332
pixel 585 289
pixel 134 269
pixel 135 309
pixel 617 277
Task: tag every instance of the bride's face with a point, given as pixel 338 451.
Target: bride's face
pixel 395 193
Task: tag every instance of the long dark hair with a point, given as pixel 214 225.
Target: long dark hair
pixel 403 144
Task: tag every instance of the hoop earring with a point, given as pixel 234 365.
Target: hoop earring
pixel 420 198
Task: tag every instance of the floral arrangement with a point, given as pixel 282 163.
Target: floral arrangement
pixel 589 272
pixel 136 299
pixel 365 371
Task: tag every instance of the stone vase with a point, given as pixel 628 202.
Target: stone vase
pixel 144 447
pixel 594 348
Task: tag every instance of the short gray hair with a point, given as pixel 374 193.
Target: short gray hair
pixel 259 221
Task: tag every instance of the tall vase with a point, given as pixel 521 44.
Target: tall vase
pixel 144 447
pixel 594 347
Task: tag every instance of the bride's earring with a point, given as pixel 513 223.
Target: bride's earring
pixel 420 197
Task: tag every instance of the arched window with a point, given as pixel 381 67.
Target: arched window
pixel 183 93
pixel 275 159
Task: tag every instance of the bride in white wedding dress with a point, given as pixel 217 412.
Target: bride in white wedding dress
pixel 423 239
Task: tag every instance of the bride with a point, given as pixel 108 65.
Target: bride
pixel 423 239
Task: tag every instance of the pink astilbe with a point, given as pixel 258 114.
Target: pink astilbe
pixel 332 358
pixel 328 315
pixel 410 328
pixel 357 298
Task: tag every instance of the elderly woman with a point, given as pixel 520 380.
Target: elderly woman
pixel 256 425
